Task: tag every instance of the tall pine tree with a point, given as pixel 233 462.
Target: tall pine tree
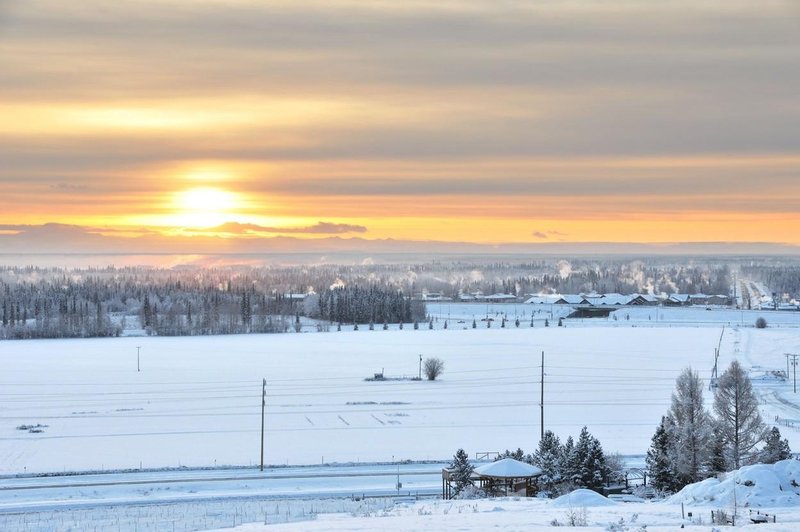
pixel 740 422
pixel 692 428
pixel 659 467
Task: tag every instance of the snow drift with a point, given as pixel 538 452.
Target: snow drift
pixel 757 486
pixel 582 497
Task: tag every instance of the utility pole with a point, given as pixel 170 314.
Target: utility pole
pixel 794 364
pixel 541 401
pixel 138 347
pixel 420 367
pixel 787 366
pixel 263 405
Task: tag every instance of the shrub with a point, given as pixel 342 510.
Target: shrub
pixel 761 323
pixel 433 367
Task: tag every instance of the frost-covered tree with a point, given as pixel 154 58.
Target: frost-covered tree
pixel 461 471
pixel 519 454
pixel 548 457
pixel 740 423
pixel 433 367
pixel 775 449
pixel 716 458
pixel 569 464
pixel 659 465
pixel 691 432
pixel 589 461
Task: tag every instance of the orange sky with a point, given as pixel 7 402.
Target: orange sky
pixel 621 121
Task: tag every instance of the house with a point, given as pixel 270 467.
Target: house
pixel 698 299
pixel 550 299
pixel 435 296
pixel 677 300
pixel 719 300
pixel 500 298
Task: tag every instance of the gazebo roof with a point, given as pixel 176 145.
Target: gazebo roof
pixel 508 468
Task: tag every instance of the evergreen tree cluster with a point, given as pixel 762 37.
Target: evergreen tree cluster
pixel 567 466
pixel 57 303
pixel 374 304
pixel 690 444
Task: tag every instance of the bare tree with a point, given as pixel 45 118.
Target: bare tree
pixel 433 367
pixel 740 423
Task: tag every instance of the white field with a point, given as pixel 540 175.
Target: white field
pixel 197 400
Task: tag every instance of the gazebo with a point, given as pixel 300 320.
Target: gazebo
pixel 513 476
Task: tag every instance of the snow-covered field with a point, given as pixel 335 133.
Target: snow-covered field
pixel 196 401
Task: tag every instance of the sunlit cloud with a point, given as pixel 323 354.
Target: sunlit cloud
pixel 460 120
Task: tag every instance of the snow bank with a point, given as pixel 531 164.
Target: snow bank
pixel 582 497
pixel 757 485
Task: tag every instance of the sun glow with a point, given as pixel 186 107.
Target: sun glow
pixel 204 207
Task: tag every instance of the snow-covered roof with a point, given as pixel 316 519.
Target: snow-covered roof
pixel 508 468
pixel 615 299
pixel 682 298
pixel 542 300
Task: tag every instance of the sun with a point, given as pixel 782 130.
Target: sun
pixel 204 207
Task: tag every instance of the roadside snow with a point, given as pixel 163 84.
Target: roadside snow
pixel 510 514
pixel 755 486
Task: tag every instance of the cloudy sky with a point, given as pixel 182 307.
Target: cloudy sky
pixel 480 121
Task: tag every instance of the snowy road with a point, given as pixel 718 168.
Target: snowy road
pixel 45 493
pixel 37 494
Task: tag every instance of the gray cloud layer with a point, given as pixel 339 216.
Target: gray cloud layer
pixel 463 81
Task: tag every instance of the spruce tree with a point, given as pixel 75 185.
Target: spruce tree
pixel 548 458
pixel 569 466
pixel 589 468
pixel 775 449
pixel 658 458
pixel 461 471
pixel 594 471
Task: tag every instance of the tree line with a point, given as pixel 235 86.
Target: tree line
pixel 54 303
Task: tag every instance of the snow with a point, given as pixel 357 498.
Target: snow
pixel 512 514
pixel 582 497
pixel 197 400
pixel 508 468
pixel 755 486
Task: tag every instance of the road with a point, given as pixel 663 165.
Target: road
pixel 37 494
